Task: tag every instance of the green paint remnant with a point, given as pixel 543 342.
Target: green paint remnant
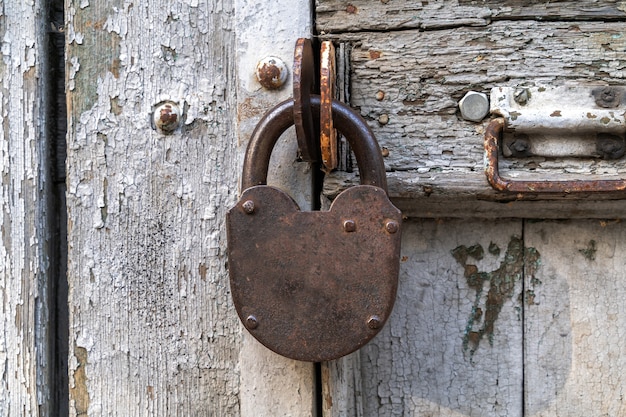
pixel 494 249
pixel 462 253
pixel 501 283
pixel 590 251
pixel 97 51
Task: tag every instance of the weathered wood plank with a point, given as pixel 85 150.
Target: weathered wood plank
pixel 408 84
pixel 453 345
pixel 336 16
pixel 575 319
pixel 271 384
pixel 153 330
pixel 27 368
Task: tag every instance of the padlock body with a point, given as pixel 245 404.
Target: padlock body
pixel 314 285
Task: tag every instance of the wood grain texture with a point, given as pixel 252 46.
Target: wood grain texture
pixel 25 379
pixel 421 76
pixel 153 331
pixel 335 16
pixel 575 319
pixel 453 345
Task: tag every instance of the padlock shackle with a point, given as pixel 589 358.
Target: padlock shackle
pixel 278 119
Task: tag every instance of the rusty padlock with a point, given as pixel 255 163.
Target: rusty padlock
pixel 314 285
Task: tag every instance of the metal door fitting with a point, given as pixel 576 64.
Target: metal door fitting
pixel 565 121
pixel 315 285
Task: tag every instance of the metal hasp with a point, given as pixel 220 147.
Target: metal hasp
pixel 565 121
pixel 317 285
pixel 303 85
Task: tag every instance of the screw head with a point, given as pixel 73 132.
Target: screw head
pixel 383 119
pixel 251 322
pixel 166 116
pixel 474 106
pixel 392 226
pixel 607 97
pixel 248 206
pixel 521 96
pixel 349 226
pixel 380 95
pixel 271 72
pixel 374 322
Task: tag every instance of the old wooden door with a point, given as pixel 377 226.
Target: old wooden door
pixel 508 305
pixel 152 329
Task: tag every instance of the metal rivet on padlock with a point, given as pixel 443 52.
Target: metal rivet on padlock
pixel 315 285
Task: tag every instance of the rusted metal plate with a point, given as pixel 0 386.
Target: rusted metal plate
pixel 303 86
pixel 493 136
pixel 328 135
pixel 314 286
pixel 585 120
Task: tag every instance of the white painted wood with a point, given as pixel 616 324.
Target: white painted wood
pixel 575 319
pixel 271 384
pixel 432 153
pixel 429 359
pixel 152 327
pixel 26 368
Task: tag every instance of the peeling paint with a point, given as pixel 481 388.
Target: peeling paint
pixel 79 393
pixel 87 33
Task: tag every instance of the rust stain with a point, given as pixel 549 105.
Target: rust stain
pixel 501 282
pixel 150 392
pixel 269 75
pixel 79 392
pixel 375 54
pixel 556 113
pixel 351 9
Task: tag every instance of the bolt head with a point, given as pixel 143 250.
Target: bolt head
pixel 248 206
pixel 252 322
pixel 474 106
pixel 167 117
pixel 271 72
pixel 392 226
pixel 374 322
pixel 349 226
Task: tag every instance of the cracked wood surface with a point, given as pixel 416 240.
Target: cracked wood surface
pixel 27 367
pixel 562 317
pixel 153 331
pixel 407 85
pixel 335 16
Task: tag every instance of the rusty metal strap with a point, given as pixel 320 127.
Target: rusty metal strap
pixel 493 138
pixel 347 121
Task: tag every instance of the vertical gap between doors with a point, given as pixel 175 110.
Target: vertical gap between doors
pixel 318 185
pixel 523 313
pixel 56 115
